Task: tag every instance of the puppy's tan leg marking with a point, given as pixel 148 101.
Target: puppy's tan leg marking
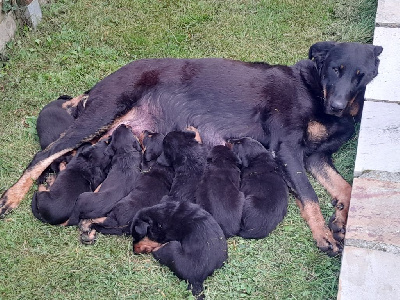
pixel 98 188
pixel 14 195
pixel 311 213
pixel 75 101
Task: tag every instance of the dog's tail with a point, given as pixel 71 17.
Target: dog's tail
pixel 35 208
pixel 197 290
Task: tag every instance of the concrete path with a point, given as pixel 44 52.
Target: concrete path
pixel 371 258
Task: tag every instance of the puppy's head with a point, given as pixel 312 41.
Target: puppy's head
pixel 147 229
pixel 177 145
pixel 345 69
pixel 152 146
pixel 221 154
pixel 247 149
pixel 123 140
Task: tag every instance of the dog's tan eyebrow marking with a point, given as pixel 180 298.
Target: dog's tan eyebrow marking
pixel 341 67
pixel 358 72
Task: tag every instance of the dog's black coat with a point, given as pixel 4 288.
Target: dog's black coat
pixel 187 157
pixel 126 154
pixel 264 188
pixel 150 187
pixel 86 170
pixel 218 191
pixel 53 120
pixel 230 99
pixel 195 244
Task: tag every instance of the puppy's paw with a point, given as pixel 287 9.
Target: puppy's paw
pixel 87 234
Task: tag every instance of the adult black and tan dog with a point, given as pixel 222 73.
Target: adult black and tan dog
pixel 182 236
pixel 303 112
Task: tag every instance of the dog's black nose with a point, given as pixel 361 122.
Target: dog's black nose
pixel 338 106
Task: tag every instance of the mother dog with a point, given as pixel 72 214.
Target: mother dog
pixel 303 113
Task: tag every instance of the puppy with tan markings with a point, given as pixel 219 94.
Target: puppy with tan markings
pixel 86 170
pixel 218 191
pixel 182 236
pixel 126 154
pixel 150 187
pixel 187 157
pixel 265 190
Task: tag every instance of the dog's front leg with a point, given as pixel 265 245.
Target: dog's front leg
pixel 321 167
pixel 291 160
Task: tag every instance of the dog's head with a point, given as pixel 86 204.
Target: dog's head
pixel 345 69
pixel 221 154
pixel 247 149
pixel 152 146
pixel 177 145
pixel 123 140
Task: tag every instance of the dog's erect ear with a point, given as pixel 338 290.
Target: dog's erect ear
pixel 377 50
pixel 319 51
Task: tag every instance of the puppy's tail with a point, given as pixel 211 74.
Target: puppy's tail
pixel 35 208
pixel 197 290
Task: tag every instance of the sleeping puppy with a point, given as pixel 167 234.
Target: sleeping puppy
pixel 86 170
pixel 218 191
pixel 51 122
pixel 126 154
pixel 264 188
pixel 152 143
pixel 150 187
pixel 182 236
pixel 187 157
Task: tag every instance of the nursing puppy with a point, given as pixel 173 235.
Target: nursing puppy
pixel 265 190
pixel 86 170
pixel 187 157
pixel 150 187
pixel 218 191
pixel 126 154
pixel 182 236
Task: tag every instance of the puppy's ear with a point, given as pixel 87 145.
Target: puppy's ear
pixel 319 51
pixel 139 230
pixel 162 160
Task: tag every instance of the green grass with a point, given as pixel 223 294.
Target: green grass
pixel 79 43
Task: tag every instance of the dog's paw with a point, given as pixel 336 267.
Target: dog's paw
pixel 337 225
pixel 88 238
pixel 328 244
pixel 6 205
pixel 87 234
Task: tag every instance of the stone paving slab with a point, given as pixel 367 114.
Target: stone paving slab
pixel 386 85
pixel 379 140
pixel 7 30
pixel 369 275
pixel 388 13
pixel 374 205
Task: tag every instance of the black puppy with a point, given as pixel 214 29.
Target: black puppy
pixel 182 236
pixel 264 188
pixel 86 170
pixel 126 154
pixel 150 187
pixel 218 191
pixel 187 157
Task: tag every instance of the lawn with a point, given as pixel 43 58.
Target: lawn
pixel 79 43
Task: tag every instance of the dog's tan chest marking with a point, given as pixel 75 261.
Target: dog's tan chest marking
pixel 316 131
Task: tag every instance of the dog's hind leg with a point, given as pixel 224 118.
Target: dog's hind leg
pixel 321 167
pixel 12 197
